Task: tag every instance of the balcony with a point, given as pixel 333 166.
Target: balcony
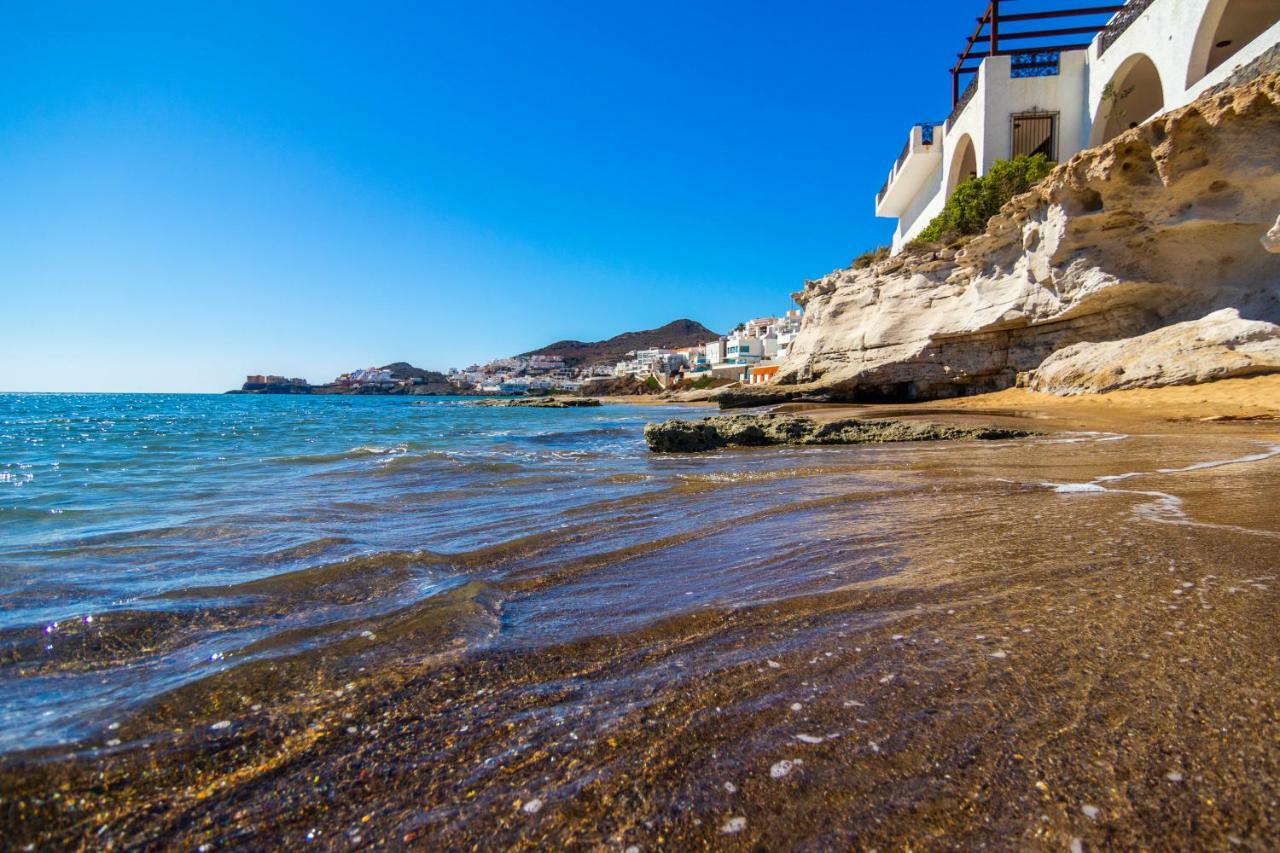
pixel 919 157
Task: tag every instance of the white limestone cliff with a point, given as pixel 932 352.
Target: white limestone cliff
pixel 1165 224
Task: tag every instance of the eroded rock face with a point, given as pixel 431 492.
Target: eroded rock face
pixel 1161 225
pixel 681 436
pixel 1219 346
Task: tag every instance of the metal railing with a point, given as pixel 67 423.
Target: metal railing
pixel 965 98
pixel 906 149
pixel 1131 12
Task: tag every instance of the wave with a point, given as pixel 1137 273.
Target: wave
pixel 364 450
pixel 355 578
pixel 1164 507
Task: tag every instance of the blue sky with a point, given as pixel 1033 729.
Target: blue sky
pixel 195 192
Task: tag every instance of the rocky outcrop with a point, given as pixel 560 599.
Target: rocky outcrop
pixel 538 403
pixel 1159 226
pixel 681 436
pixel 622 386
pixel 1219 346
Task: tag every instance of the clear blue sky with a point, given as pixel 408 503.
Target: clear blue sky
pixel 190 193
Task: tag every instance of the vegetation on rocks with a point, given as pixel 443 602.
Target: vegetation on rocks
pixel 869 257
pixel 978 199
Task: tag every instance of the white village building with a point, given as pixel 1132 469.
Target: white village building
pixel 1053 80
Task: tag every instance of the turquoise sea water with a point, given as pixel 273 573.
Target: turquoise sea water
pixel 147 541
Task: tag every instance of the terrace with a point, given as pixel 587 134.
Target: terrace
pixel 1034 34
pixel 920 156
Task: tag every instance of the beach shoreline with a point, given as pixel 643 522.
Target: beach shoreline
pixel 947 609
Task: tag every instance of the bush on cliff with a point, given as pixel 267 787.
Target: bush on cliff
pixel 978 199
pixel 869 257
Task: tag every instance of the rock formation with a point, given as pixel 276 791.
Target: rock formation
pixel 538 403
pixel 1160 226
pixel 681 436
pixel 1219 346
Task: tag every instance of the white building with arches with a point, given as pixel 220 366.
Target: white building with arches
pixel 1052 90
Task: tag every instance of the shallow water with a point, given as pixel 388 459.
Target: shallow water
pixel 411 601
pixel 251 508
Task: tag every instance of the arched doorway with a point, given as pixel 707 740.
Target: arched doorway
pixel 1227 26
pixel 964 163
pixel 1134 95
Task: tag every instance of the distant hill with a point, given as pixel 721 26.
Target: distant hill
pixel 405 370
pixel 676 334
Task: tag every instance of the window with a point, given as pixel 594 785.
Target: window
pixel 1035 133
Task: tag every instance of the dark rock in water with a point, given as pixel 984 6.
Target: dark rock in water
pixel 539 403
pixel 680 436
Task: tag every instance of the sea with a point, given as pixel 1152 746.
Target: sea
pixel 151 540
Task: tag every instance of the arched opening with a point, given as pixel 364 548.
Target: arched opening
pixel 1134 95
pixel 964 163
pixel 1227 26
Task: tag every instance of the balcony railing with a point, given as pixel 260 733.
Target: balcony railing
pixel 963 101
pixel 1126 16
pixel 906 149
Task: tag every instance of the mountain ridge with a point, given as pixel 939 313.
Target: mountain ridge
pixel 678 333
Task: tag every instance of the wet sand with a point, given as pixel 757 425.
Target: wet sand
pixel 1027 645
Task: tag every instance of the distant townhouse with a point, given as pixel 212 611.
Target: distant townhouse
pixel 369 376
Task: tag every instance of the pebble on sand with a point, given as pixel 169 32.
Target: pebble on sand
pixel 773 664
pixel 220 725
pixel 999 654
pixel 734 824
pixel 1090 812
pixel 809 739
pixel 781 768
pixel 1173 776
pixel 533 806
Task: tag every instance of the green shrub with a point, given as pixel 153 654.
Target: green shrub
pixel 871 256
pixel 704 382
pixel 653 384
pixel 978 199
